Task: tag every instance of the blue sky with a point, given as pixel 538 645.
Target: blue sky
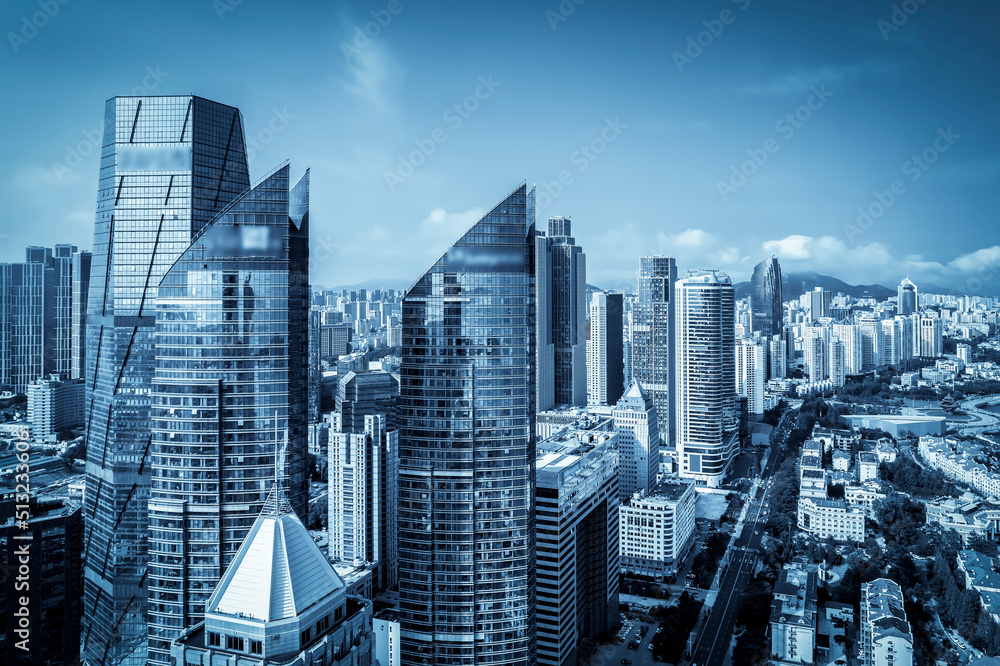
pixel 717 132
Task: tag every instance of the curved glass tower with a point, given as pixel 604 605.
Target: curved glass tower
pixel 765 298
pixel 229 390
pixel 467 448
pixel 168 165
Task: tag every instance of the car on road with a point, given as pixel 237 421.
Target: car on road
pixel 626 661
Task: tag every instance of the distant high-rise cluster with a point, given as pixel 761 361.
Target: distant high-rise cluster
pixel 41 301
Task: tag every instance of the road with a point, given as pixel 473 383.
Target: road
pixel 717 632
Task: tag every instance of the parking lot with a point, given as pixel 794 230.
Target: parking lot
pixel 634 647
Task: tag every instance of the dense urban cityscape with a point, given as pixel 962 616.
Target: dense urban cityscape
pixel 208 457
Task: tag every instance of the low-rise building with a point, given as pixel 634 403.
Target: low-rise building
pixel 794 617
pixel 831 519
pixel 886 639
pixel 867 466
pixel 656 530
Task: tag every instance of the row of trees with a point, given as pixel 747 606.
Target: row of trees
pixel 677 622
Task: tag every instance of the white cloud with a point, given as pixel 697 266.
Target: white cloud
pixel 372 73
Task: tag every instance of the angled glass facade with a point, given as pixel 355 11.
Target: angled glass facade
pixel 653 339
pixel 467 448
pixel 231 327
pixel 168 165
pixel 766 306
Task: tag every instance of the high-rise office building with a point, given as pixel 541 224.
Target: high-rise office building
pixel 577 541
pixel 50 543
pixel 851 336
pixel 605 355
pixel 360 394
pixel 467 448
pixel 59 307
pixel 751 366
pixel 931 337
pixel 707 422
pixel 654 339
pixel 907 301
pixel 561 279
pixel 872 343
pixel 169 165
pixel 22 323
pixel 777 357
pixel 230 389
pixel 815 349
pixel 765 298
pixel 78 314
pixel 836 361
pixel 362 499
pixel 819 303
pixel 897 334
pixel 639 441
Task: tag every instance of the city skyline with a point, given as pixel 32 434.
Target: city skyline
pixel 710 115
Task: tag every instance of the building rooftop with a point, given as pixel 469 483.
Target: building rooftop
pixel 278 571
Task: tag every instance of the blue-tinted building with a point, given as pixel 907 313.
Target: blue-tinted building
pixel 230 388
pixel 467 448
pixel 168 166
pixel 654 339
pixel 766 307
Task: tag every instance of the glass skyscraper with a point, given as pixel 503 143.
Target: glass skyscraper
pixel 766 305
pixel 654 339
pixel 168 165
pixel 229 390
pixel 561 293
pixel 707 423
pixel 467 448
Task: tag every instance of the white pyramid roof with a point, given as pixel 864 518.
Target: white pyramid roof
pixel 279 570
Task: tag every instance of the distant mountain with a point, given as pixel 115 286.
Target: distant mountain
pixel 376 283
pixel 794 285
